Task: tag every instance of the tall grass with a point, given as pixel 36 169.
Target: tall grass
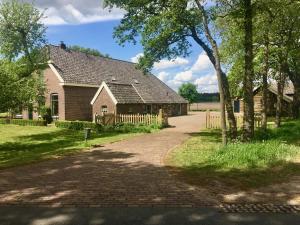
pixel 272 157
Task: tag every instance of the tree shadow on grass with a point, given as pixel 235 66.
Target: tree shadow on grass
pixel 276 181
pixel 208 135
pixel 36 147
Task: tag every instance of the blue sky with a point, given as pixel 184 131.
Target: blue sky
pixel 87 24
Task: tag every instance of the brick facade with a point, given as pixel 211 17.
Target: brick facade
pixel 53 87
pixel 78 102
pixel 103 100
pixel 74 102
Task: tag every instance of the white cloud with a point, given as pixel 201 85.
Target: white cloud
pixel 163 76
pixel 174 84
pixel 184 76
pixel 60 12
pixel 207 83
pixel 135 59
pixel 202 63
pixel 165 64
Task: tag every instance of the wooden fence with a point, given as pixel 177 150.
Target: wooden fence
pixel 213 120
pixel 147 119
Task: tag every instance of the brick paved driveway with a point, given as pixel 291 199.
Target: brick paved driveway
pixel 125 173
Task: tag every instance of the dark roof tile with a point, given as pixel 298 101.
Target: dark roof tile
pixel 81 68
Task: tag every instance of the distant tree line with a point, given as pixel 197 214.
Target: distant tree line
pixel 208 97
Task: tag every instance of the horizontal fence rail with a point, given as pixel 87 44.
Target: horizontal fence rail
pixel 213 120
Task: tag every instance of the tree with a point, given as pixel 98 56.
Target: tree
pixel 166 29
pixel 22 36
pixel 21 32
pixel 189 92
pixel 89 51
pixel 16 92
pixel 248 123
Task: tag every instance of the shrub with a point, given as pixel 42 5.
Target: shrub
pixel 46 115
pixel 75 125
pixel 127 128
pixel 22 122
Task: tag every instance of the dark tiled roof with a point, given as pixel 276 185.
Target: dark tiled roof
pixel 124 93
pixel 80 68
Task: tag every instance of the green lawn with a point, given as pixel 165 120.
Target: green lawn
pixel 271 158
pixel 21 145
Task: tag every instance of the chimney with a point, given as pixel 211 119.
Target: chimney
pixel 63 45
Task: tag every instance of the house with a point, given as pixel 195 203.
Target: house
pixel 272 94
pixel 80 85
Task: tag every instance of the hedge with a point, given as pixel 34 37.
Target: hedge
pixel 22 122
pixel 75 125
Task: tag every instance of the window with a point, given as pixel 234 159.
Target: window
pixel 236 106
pixel 104 109
pixel 54 104
pixel 130 110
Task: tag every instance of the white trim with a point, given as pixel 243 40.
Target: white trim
pixel 54 70
pixel 104 85
pixel 78 85
pixel 138 93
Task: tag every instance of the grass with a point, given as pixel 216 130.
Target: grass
pixel 3 114
pixel 270 158
pixel 22 145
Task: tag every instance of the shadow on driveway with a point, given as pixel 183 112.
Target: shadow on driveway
pixel 138 216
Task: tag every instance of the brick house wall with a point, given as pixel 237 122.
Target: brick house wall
pixel 78 102
pixel 131 108
pixel 103 99
pixel 53 87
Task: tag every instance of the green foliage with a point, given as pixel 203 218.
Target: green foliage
pixel 22 122
pixel 243 164
pixel 129 128
pixel 89 51
pixel 18 91
pixel 23 145
pixel 75 125
pixel 22 36
pixel 119 128
pixel 21 31
pixel 189 92
pixel 46 114
pixel 164 27
pixel 208 97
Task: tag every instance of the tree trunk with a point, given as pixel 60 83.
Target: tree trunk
pixel 248 123
pixel 214 56
pixel 229 108
pixel 264 118
pixel 280 87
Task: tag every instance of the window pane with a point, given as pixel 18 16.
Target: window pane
pixel 54 104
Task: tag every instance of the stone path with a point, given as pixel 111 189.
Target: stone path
pixel 126 173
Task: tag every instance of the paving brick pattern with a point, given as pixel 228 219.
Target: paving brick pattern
pixel 127 173
pixel 258 208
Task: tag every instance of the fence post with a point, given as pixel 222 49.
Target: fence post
pixel 208 118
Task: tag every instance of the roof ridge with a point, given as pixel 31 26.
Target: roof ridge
pixel 119 83
pixel 121 60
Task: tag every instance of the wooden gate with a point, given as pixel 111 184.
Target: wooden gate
pixel 106 119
